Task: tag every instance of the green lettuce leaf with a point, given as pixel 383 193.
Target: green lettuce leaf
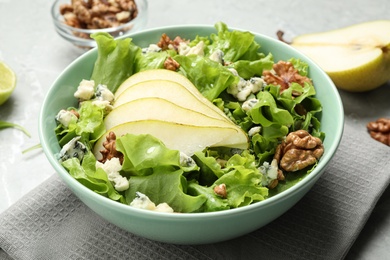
pixel 248 68
pixel 143 153
pixel 94 179
pixel 243 186
pixel 236 45
pixel 214 79
pixel 152 60
pixel 89 126
pixel 165 186
pixel 213 202
pixel 115 61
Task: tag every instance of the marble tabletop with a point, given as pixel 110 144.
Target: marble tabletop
pixel 30 45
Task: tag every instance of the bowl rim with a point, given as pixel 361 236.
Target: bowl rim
pixel 316 173
pixel 142 13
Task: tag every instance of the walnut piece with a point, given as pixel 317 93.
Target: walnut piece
pixel 171 64
pixel 98 14
pixel 380 130
pixel 110 149
pixel 299 150
pixel 284 74
pixel 279 177
pixel 220 190
pixel 166 43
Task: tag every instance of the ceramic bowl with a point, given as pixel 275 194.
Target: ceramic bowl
pixel 80 37
pixel 191 228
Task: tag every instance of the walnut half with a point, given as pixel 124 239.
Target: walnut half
pixel 299 150
pixel 110 149
pixel 284 74
pixel 380 130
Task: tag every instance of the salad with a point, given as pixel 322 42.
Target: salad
pixel 273 102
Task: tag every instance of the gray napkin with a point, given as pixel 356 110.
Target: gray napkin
pixel 51 223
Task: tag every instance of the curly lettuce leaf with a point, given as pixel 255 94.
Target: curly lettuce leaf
pixel 165 186
pixel 152 60
pixel 143 153
pixel 94 179
pixel 243 186
pixel 215 77
pixel 156 172
pixel 236 45
pixel 213 202
pixel 251 68
pixel 89 126
pixel 242 180
pixel 115 61
pixel 301 66
pixel 209 169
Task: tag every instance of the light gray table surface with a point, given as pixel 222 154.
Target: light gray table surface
pixel 30 45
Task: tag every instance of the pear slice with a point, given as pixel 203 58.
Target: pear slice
pixel 182 137
pixel 162 109
pixel 357 58
pixel 163 74
pixel 171 91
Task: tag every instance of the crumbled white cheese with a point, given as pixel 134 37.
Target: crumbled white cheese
pixel 186 50
pixel 151 48
pixel 112 167
pixel 73 149
pixel 234 71
pixel 142 201
pixel 269 171
pixel 104 104
pixel 254 130
pixel 164 207
pixel 244 88
pixel 186 160
pixel 183 48
pixel 198 49
pixel 217 56
pixel 66 117
pixel 103 93
pixel 85 90
pixel 249 104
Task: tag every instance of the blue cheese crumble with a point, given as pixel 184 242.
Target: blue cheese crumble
pixel 104 98
pixel 85 90
pixel 65 117
pixel 112 168
pixel 269 172
pixel 185 49
pixel 101 97
pixel 244 88
pixel 142 201
pixel 151 48
pixel 217 56
pixel 186 161
pixel 73 149
pixel 249 104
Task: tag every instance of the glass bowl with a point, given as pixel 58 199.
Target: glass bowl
pixel 81 37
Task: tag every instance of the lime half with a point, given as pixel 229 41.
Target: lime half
pixel 7 82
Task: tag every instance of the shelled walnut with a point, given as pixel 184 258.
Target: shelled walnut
pixel 171 64
pixel 284 74
pixel 299 150
pixel 380 130
pixel 166 43
pixel 98 14
pixel 110 149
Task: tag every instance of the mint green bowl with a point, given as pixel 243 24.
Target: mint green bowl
pixel 190 228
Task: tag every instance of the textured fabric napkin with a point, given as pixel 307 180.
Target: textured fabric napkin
pixel 51 223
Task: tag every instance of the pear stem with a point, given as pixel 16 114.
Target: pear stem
pixel 386 49
pixel 280 34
